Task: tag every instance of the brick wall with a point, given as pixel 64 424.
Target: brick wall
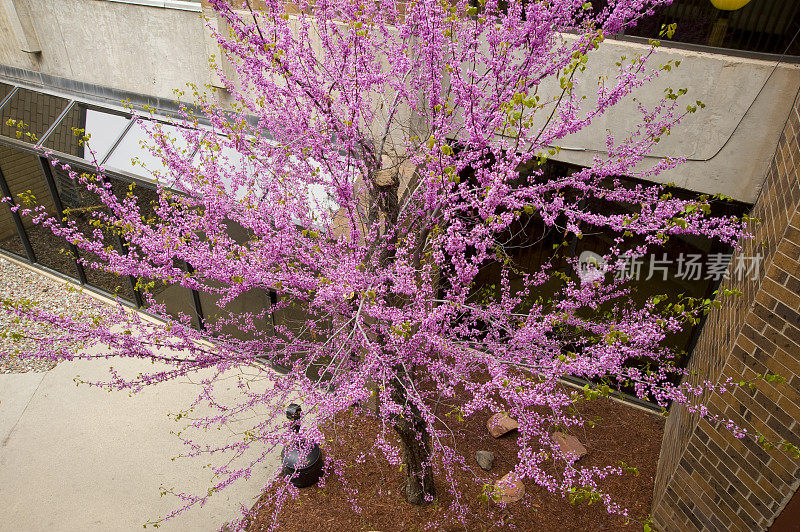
pixel 707 479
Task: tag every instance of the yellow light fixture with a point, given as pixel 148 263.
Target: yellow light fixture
pixel 729 5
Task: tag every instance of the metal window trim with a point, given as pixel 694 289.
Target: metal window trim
pixel 161 115
pixel 88 106
pixel 21 233
pixel 17 88
pixel 13 257
pixel 59 208
pixel 37 151
pixel 27 148
pixel 78 161
pixel 54 125
pixel 14 89
pixel 179 5
pixel 669 45
pixel 138 177
pixel 198 305
pixel 118 141
pixel 100 294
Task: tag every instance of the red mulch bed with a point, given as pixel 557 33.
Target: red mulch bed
pixel 621 433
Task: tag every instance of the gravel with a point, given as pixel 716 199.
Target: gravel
pixel 17 282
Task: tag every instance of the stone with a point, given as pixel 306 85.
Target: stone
pixel 485 459
pixel 500 424
pixel 569 445
pixel 509 489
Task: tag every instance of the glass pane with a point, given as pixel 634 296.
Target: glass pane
pixel 133 155
pixel 760 26
pixel 5 90
pixel 224 320
pixel 177 299
pixel 104 127
pixel 227 163
pixel 684 265
pixel 9 236
pixel 35 109
pixel 25 178
pixel 84 208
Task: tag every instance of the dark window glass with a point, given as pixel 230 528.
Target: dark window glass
pixel 5 90
pixel 86 209
pixel 228 321
pixel 177 300
pixel 9 235
pixel 36 110
pixel 686 265
pixel 766 26
pixel 25 179
pixel 103 126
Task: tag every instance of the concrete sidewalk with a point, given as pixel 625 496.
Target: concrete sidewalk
pixel 80 458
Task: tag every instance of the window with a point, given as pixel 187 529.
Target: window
pixel 24 175
pixel 36 110
pixel 103 126
pixel 766 26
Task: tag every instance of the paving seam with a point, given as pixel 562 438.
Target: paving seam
pixel 14 427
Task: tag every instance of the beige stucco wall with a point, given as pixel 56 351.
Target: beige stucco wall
pixel 153 50
pixel 150 50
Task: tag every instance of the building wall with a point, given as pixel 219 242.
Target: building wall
pixel 144 49
pixel 708 479
pixel 153 50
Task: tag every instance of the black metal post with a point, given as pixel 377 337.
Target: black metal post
pixel 198 306
pixel 273 300
pixel 23 236
pixel 137 295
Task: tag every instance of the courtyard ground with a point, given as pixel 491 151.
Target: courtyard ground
pixel 77 458
pixel 620 434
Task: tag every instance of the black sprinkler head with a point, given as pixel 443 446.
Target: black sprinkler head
pixel 294 412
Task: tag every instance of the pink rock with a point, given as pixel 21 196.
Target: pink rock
pixel 509 489
pixel 500 424
pixel 569 445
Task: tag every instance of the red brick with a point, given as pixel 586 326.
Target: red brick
pixel 781 293
pixel 736 484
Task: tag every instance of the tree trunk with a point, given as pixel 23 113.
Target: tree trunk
pixel 420 489
pixel 416 442
pixel 411 427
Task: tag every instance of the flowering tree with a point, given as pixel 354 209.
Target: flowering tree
pixel 377 157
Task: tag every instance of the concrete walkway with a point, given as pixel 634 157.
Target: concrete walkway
pixel 80 458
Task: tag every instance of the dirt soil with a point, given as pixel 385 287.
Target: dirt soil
pixel 621 433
